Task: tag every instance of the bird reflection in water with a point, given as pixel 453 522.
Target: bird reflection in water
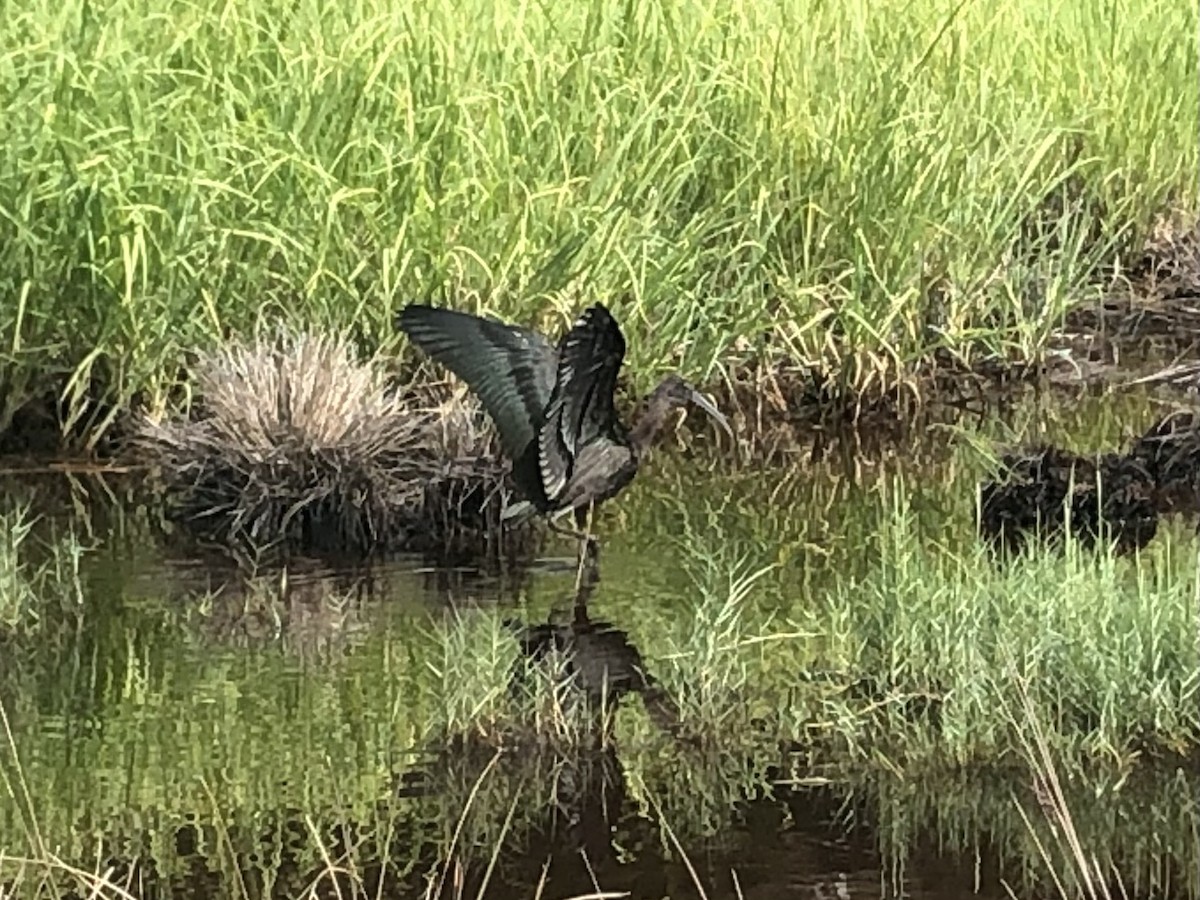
pixel 599 663
pixel 592 665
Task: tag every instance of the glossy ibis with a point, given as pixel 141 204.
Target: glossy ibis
pixel 553 406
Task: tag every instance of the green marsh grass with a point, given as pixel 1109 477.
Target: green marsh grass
pixel 780 662
pixel 890 630
pixel 19 605
pixel 861 182
pixel 1140 827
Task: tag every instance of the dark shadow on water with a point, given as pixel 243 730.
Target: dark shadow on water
pixel 581 830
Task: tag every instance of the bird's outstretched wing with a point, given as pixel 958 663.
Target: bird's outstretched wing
pixel 511 369
pixel 581 400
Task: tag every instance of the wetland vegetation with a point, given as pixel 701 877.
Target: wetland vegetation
pixel 294 445
pixel 845 664
pixel 818 677
pixel 752 187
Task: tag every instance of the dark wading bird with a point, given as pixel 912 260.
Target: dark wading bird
pixel 553 407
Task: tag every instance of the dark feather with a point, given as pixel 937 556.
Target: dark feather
pixel 554 407
pixel 601 470
pixel 580 409
pixel 511 369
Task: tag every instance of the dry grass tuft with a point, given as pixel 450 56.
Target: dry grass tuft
pixel 294 445
pixel 1169 266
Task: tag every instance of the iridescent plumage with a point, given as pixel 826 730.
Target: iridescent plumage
pixel 553 407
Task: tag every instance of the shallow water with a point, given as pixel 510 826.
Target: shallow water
pixel 209 735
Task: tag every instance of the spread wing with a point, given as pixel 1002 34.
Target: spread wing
pixel 511 369
pixel 581 402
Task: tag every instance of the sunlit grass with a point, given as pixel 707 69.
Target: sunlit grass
pixel 1108 647
pixel 19 599
pixel 860 181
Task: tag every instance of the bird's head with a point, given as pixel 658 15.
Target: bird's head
pixel 676 393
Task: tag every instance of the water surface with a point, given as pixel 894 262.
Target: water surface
pixel 210 734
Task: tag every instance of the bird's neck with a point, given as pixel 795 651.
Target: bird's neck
pixel 645 430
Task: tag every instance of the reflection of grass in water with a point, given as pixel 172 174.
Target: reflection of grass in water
pixel 484 804
pixel 755 646
pixel 41 586
pixel 34 572
pixel 1082 871
pixel 18 599
pixel 1053 820
pixel 904 663
pixel 308 617
pixel 823 515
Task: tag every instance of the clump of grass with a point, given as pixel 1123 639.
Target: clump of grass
pixel 473 657
pixel 1045 493
pixel 1170 450
pixel 1081 870
pixel 710 671
pixel 1106 645
pixel 296 445
pixel 18 597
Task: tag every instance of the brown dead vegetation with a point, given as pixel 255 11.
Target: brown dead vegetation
pixel 1170 452
pixel 781 412
pixel 1149 318
pixel 1045 492
pixel 1146 332
pixel 295 446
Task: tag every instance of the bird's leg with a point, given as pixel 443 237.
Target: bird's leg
pixel 585 586
pixel 583 520
pixel 568 532
pixel 589 549
pixel 580 533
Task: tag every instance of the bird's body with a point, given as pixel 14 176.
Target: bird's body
pixel 553 407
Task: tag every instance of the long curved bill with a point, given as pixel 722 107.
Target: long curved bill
pixel 711 408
